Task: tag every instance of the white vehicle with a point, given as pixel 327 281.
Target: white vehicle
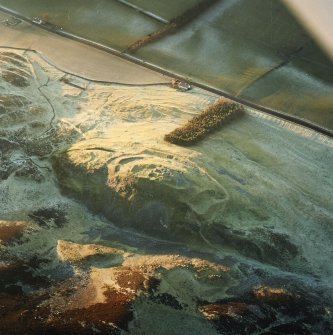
pixel 38 20
pixel 180 85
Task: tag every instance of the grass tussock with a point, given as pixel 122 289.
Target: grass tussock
pixel 212 118
pixel 15 59
pixel 173 25
pixel 15 77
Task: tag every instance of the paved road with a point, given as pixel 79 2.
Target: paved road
pixel 73 56
pixel 98 62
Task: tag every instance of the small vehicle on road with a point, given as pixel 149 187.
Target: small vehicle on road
pixel 180 85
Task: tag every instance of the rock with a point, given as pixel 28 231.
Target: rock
pixel 267 309
pixel 73 252
pixel 272 294
pixel 246 197
pixel 214 311
pixel 140 188
pixel 11 230
pixel 107 293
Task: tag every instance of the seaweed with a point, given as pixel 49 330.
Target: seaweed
pixel 212 118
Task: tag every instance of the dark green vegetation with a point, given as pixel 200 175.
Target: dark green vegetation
pixel 209 120
pixel 175 24
pixel 47 217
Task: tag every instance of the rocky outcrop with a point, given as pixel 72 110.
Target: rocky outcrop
pixel 144 188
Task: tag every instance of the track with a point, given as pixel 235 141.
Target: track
pixel 215 90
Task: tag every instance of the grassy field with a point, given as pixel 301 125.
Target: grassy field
pixel 254 50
